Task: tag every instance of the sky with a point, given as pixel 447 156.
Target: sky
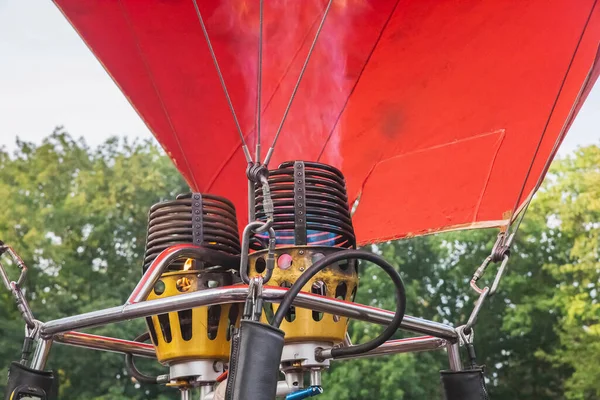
pixel 48 77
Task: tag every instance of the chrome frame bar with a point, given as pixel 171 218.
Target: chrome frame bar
pixel 408 345
pixel 105 343
pixel 238 294
pixel 454 356
pixel 41 353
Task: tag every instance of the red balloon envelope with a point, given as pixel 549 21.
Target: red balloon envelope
pixel 441 114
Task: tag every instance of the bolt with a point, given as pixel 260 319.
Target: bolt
pixel 218 366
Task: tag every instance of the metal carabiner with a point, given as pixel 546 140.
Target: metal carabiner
pixel 254 300
pixel 15 287
pixel 479 273
pixel 499 275
pixel 258 298
pixel 257 226
pixel 17 260
pixel 467 338
pixel 467 328
pixel 500 253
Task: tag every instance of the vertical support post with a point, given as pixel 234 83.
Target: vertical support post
pixel 185 394
pixel 40 355
pixel 454 356
pixel 206 393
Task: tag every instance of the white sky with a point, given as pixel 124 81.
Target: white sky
pixel 48 77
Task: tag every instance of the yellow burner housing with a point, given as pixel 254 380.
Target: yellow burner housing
pixel 196 334
pixel 337 281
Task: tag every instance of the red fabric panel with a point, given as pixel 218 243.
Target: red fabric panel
pixel 443 201
pixel 434 110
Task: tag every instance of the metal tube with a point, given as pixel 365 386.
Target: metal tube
pixel 454 356
pixel 282 390
pixel 372 314
pixel 347 340
pixel 408 345
pixel 238 294
pixel 229 294
pixel 40 356
pixel 206 392
pixel 155 270
pixel 96 342
pixel 315 377
pixel 104 343
pixel 185 394
pixel 166 257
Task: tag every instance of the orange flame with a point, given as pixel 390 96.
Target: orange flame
pixel 188 264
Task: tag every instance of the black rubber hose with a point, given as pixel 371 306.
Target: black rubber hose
pixel 350 254
pixel 129 364
pixel 200 253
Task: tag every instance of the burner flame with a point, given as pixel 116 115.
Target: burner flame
pixel 188 264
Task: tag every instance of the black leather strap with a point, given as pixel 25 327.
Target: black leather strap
pixel 464 385
pixel 19 376
pixel 254 363
pixel 300 236
pixel 197 230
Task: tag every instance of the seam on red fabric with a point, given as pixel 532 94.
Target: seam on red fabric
pixel 552 109
pixel 487 179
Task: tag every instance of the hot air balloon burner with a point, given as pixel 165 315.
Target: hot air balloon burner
pixel 311 220
pixel 194 343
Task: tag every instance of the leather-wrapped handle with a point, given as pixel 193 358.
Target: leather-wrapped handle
pixel 254 363
pixel 464 385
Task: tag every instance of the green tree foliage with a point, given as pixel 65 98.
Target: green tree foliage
pixel 569 206
pixel 538 336
pixel 78 216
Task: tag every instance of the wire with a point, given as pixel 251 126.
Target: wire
pixel 351 254
pixel 214 58
pixel 539 144
pixel 259 81
pixel 285 113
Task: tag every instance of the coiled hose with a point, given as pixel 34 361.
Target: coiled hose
pixel 350 254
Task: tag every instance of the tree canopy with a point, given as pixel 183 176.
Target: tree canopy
pixel 78 217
